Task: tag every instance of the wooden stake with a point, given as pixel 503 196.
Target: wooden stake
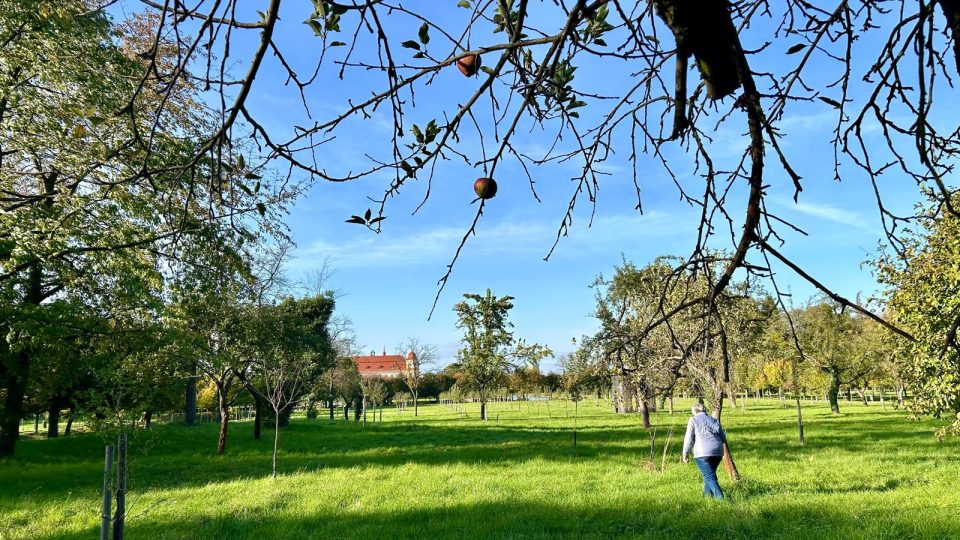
pixel 120 515
pixel 729 464
pixel 666 446
pixel 107 505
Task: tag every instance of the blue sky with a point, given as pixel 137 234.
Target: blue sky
pixel 388 281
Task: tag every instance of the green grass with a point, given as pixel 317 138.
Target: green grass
pixel 865 474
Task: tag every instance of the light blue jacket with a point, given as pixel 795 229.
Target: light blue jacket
pixel 704 436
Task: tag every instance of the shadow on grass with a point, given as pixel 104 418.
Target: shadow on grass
pixel 173 459
pixel 170 456
pixel 649 519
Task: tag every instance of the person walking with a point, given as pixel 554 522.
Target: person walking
pixel 705 437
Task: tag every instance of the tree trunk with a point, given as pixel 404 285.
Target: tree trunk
pixel 729 464
pixel 416 402
pixel 69 427
pixel 671 404
pixel 147 418
pixel 356 410
pixel 330 402
pixel 717 406
pixel 800 422
pixel 624 396
pixel 224 411
pixel 258 416
pixel 644 412
pixel 833 393
pixel 276 439
pixel 18 368
pixel 53 419
pixel 285 414
pixel 863 396
pixel 731 391
pixel 12 410
pixel 364 412
pixel 483 410
pixel 190 407
pixel 346 411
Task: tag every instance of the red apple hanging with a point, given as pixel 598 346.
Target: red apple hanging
pixel 469 65
pixel 485 188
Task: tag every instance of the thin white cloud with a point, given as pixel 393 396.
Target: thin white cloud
pixel 818 121
pixel 828 213
pixel 511 238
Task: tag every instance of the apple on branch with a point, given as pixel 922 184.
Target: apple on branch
pixel 485 188
pixel 469 65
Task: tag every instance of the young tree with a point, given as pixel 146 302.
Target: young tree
pixel 378 392
pixel 345 383
pixel 833 340
pixel 487 339
pixel 582 370
pixel 373 392
pixel 489 352
pixel 289 346
pixel 420 357
pixel 208 327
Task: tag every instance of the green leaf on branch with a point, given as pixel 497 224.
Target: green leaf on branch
pixel 796 48
pixel 432 132
pixel 424 33
pixel 357 219
pixel 829 101
pixel 411 44
pixel 315 26
pixel 464 4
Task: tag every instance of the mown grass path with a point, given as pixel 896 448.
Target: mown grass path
pixel 865 474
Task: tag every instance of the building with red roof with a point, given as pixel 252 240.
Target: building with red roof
pixel 383 366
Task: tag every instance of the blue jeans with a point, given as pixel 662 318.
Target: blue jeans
pixel 708 468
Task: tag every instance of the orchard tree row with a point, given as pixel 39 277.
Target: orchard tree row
pixel 750 342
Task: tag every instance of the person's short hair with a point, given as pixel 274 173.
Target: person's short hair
pixel 697 408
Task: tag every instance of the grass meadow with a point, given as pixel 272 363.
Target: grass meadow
pixel 868 473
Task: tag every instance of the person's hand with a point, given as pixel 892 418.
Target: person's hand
pixel 685 459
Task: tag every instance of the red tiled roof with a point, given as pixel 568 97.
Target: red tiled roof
pixel 389 363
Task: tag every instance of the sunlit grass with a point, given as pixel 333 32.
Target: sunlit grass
pixel 867 473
